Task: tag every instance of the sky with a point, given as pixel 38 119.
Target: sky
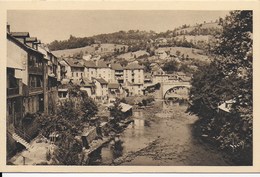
pixel 50 25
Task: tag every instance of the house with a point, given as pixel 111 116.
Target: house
pixel 134 78
pixel 117 72
pixel 101 86
pixel 35 73
pixel 52 72
pixel 88 86
pixel 115 90
pixel 26 84
pixel 76 71
pixel 126 109
pixel 63 89
pixel 134 73
pixel 104 71
pixel 159 75
pixel 148 79
pixel 90 69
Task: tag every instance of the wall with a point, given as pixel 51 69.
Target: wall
pixel 90 72
pixel 105 73
pixel 19 56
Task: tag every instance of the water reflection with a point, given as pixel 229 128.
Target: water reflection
pixel 134 137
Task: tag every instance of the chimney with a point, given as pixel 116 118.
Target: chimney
pixel 8 28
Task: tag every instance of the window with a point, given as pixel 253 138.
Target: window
pixel 72 74
pixel 77 75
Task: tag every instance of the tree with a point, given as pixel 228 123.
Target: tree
pixel 171 66
pixel 116 111
pixel 72 114
pixel 228 77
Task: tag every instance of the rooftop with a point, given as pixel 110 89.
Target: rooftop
pixel 102 64
pixel 31 39
pixel 73 62
pixel 89 64
pixel 20 34
pixel 116 66
pixel 113 85
pixel 133 66
pixel 101 80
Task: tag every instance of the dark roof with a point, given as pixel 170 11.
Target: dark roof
pixel 134 66
pixel 116 66
pixel 31 39
pixel 73 62
pixel 101 80
pixel 22 45
pixel 102 64
pixel 20 34
pixel 89 64
pixel 85 82
pixel 113 86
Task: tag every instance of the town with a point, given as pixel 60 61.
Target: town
pixel 71 107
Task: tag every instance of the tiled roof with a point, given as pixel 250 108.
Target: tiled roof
pixel 134 66
pixel 116 66
pixel 89 64
pixel 73 62
pixel 101 80
pixel 102 64
pixel 20 34
pixel 113 86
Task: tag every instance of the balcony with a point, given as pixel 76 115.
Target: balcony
pixel 12 91
pixel 35 90
pixel 119 73
pixel 35 70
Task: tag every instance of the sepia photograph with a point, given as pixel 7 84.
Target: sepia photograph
pixel 129 87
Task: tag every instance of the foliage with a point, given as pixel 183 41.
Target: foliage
pixel 68 123
pixel 229 77
pixel 116 111
pixel 171 66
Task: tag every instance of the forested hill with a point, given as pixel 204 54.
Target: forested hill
pixel 135 39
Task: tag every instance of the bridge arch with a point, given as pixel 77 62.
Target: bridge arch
pixel 176 89
pixel 177 92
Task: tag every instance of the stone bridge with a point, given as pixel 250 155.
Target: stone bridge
pixel 174 89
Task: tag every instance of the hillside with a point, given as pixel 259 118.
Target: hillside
pixel 99 49
pixel 71 52
pixel 192 53
pixel 196 28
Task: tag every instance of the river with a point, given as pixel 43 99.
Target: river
pixel 160 135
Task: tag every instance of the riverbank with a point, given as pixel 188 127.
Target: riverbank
pixel 232 158
pixel 162 134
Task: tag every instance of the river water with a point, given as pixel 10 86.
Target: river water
pixel 160 135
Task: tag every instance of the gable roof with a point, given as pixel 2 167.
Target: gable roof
pixel 73 62
pixel 116 66
pixel 89 64
pixel 133 66
pixel 85 82
pixel 102 64
pixel 22 45
pixel 101 80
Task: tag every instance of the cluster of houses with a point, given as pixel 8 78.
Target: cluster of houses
pixel 36 79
